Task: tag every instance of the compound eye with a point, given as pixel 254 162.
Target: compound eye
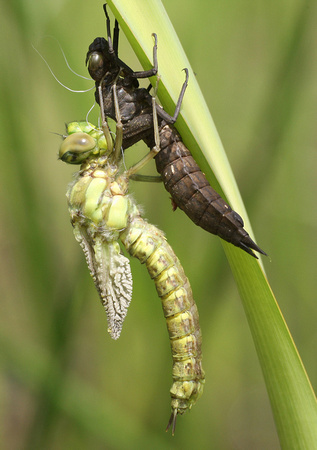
pixel 95 65
pixel 76 148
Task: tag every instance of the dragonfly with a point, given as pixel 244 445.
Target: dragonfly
pixel 135 118
pixel 103 213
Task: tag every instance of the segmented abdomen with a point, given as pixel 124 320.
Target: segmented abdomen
pixel 148 244
pixel 192 192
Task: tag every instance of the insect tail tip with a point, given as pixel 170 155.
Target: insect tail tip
pixel 259 250
pixel 172 421
pixel 248 246
pixel 250 249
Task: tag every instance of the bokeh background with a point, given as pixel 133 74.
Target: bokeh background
pixel 64 383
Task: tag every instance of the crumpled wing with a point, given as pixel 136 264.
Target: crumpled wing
pixel 112 276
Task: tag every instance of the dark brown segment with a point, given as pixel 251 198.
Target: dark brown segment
pixel 180 173
pixel 193 194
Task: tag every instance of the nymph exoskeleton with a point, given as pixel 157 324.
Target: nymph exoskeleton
pixel 182 177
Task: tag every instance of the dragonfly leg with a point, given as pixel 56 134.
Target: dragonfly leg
pixel 116 37
pixel 167 117
pixel 146 178
pixel 105 126
pixel 119 126
pixel 136 167
pixel 154 151
pixel 155 121
pixel 113 49
pixel 151 72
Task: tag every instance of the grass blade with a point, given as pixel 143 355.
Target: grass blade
pixel 291 395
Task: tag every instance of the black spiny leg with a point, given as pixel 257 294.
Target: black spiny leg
pixel 151 72
pixel 112 52
pixel 116 38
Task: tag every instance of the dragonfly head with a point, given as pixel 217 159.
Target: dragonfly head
pixel 105 66
pixel 84 141
pixel 99 60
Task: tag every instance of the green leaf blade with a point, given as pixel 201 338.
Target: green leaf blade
pixel 292 398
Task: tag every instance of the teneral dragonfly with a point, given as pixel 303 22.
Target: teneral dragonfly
pixel 102 214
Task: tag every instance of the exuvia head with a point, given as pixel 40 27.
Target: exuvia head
pixel 98 59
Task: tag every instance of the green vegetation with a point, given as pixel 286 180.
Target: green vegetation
pixel 65 384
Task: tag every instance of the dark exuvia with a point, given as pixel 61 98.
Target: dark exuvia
pixel 182 177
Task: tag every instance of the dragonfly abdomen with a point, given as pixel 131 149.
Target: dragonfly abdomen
pixel 192 192
pixel 148 244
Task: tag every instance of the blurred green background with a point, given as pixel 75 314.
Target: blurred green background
pixel 64 383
